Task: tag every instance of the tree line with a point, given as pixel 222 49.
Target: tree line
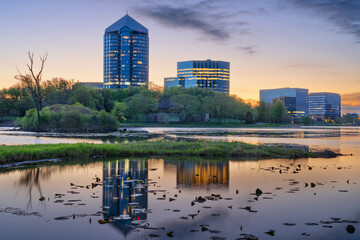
pixel 34 98
pixel 134 103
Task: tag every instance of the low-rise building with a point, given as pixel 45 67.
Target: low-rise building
pixel 324 106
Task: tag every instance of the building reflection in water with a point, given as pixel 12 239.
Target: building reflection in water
pixel 202 174
pixel 125 192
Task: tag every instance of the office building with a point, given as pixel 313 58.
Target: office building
pixel 204 74
pixel 126 54
pixel 295 99
pixel 324 106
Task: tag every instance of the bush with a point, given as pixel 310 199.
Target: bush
pixel 70 118
pixel 30 121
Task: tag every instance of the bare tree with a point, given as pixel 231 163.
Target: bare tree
pixel 33 81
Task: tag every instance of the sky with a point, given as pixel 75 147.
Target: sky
pixel 312 44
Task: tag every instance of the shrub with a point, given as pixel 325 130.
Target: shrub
pixel 70 118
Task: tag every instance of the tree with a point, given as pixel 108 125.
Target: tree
pixel 278 112
pixel 119 111
pixel 261 111
pixel 82 95
pixel 217 106
pixel 139 105
pixel 186 105
pixel 348 118
pixel 34 84
pixel 249 118
pixel 60 91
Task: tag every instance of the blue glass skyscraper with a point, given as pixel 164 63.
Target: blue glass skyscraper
pixel 204 74
pixel 126 54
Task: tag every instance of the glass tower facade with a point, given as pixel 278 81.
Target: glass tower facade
pixel 204 74
pixel 324 106
pixel 295 99
pixel 126 54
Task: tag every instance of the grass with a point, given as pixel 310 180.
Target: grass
pixel 10 154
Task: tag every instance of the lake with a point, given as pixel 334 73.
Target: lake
pixel 158 198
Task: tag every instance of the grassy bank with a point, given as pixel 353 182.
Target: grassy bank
pixel 20 153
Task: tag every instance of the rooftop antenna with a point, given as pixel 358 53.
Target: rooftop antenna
pixel 127 12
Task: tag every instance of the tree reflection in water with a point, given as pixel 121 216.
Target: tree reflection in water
pixel 31 179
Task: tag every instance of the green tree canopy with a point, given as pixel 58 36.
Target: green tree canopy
pixel 186 105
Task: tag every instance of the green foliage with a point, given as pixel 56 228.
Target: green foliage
pixel 30 120
pixel 218 106
pixel 138 106
pixel 278 112
pixel 186 105
pixel 119 111
pixel 70 118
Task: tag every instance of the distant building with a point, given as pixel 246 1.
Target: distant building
pixel 204 74
pixel 295 99
pixel 126 54
pixel 324 106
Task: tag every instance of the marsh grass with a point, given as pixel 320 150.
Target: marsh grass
pixel 161 148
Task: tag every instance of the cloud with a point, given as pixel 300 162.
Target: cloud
pixel 249 49
pixel 215 20
pixel 343 13
pixel 351 99
pixel 186 17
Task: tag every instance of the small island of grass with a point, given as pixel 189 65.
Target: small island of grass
pixel 161 148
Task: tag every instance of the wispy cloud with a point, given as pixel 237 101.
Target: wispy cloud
pixel 249 49
pixel 343 13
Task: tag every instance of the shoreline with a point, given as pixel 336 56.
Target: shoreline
pixel 160 148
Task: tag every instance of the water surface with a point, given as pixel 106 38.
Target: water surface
pixel 157 196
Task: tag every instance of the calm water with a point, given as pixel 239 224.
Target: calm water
pixel 154 196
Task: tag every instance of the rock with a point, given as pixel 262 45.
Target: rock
pixel 204 229
pixel 258 192
pixel 270 232
pixel 350 229
pixel 289 224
